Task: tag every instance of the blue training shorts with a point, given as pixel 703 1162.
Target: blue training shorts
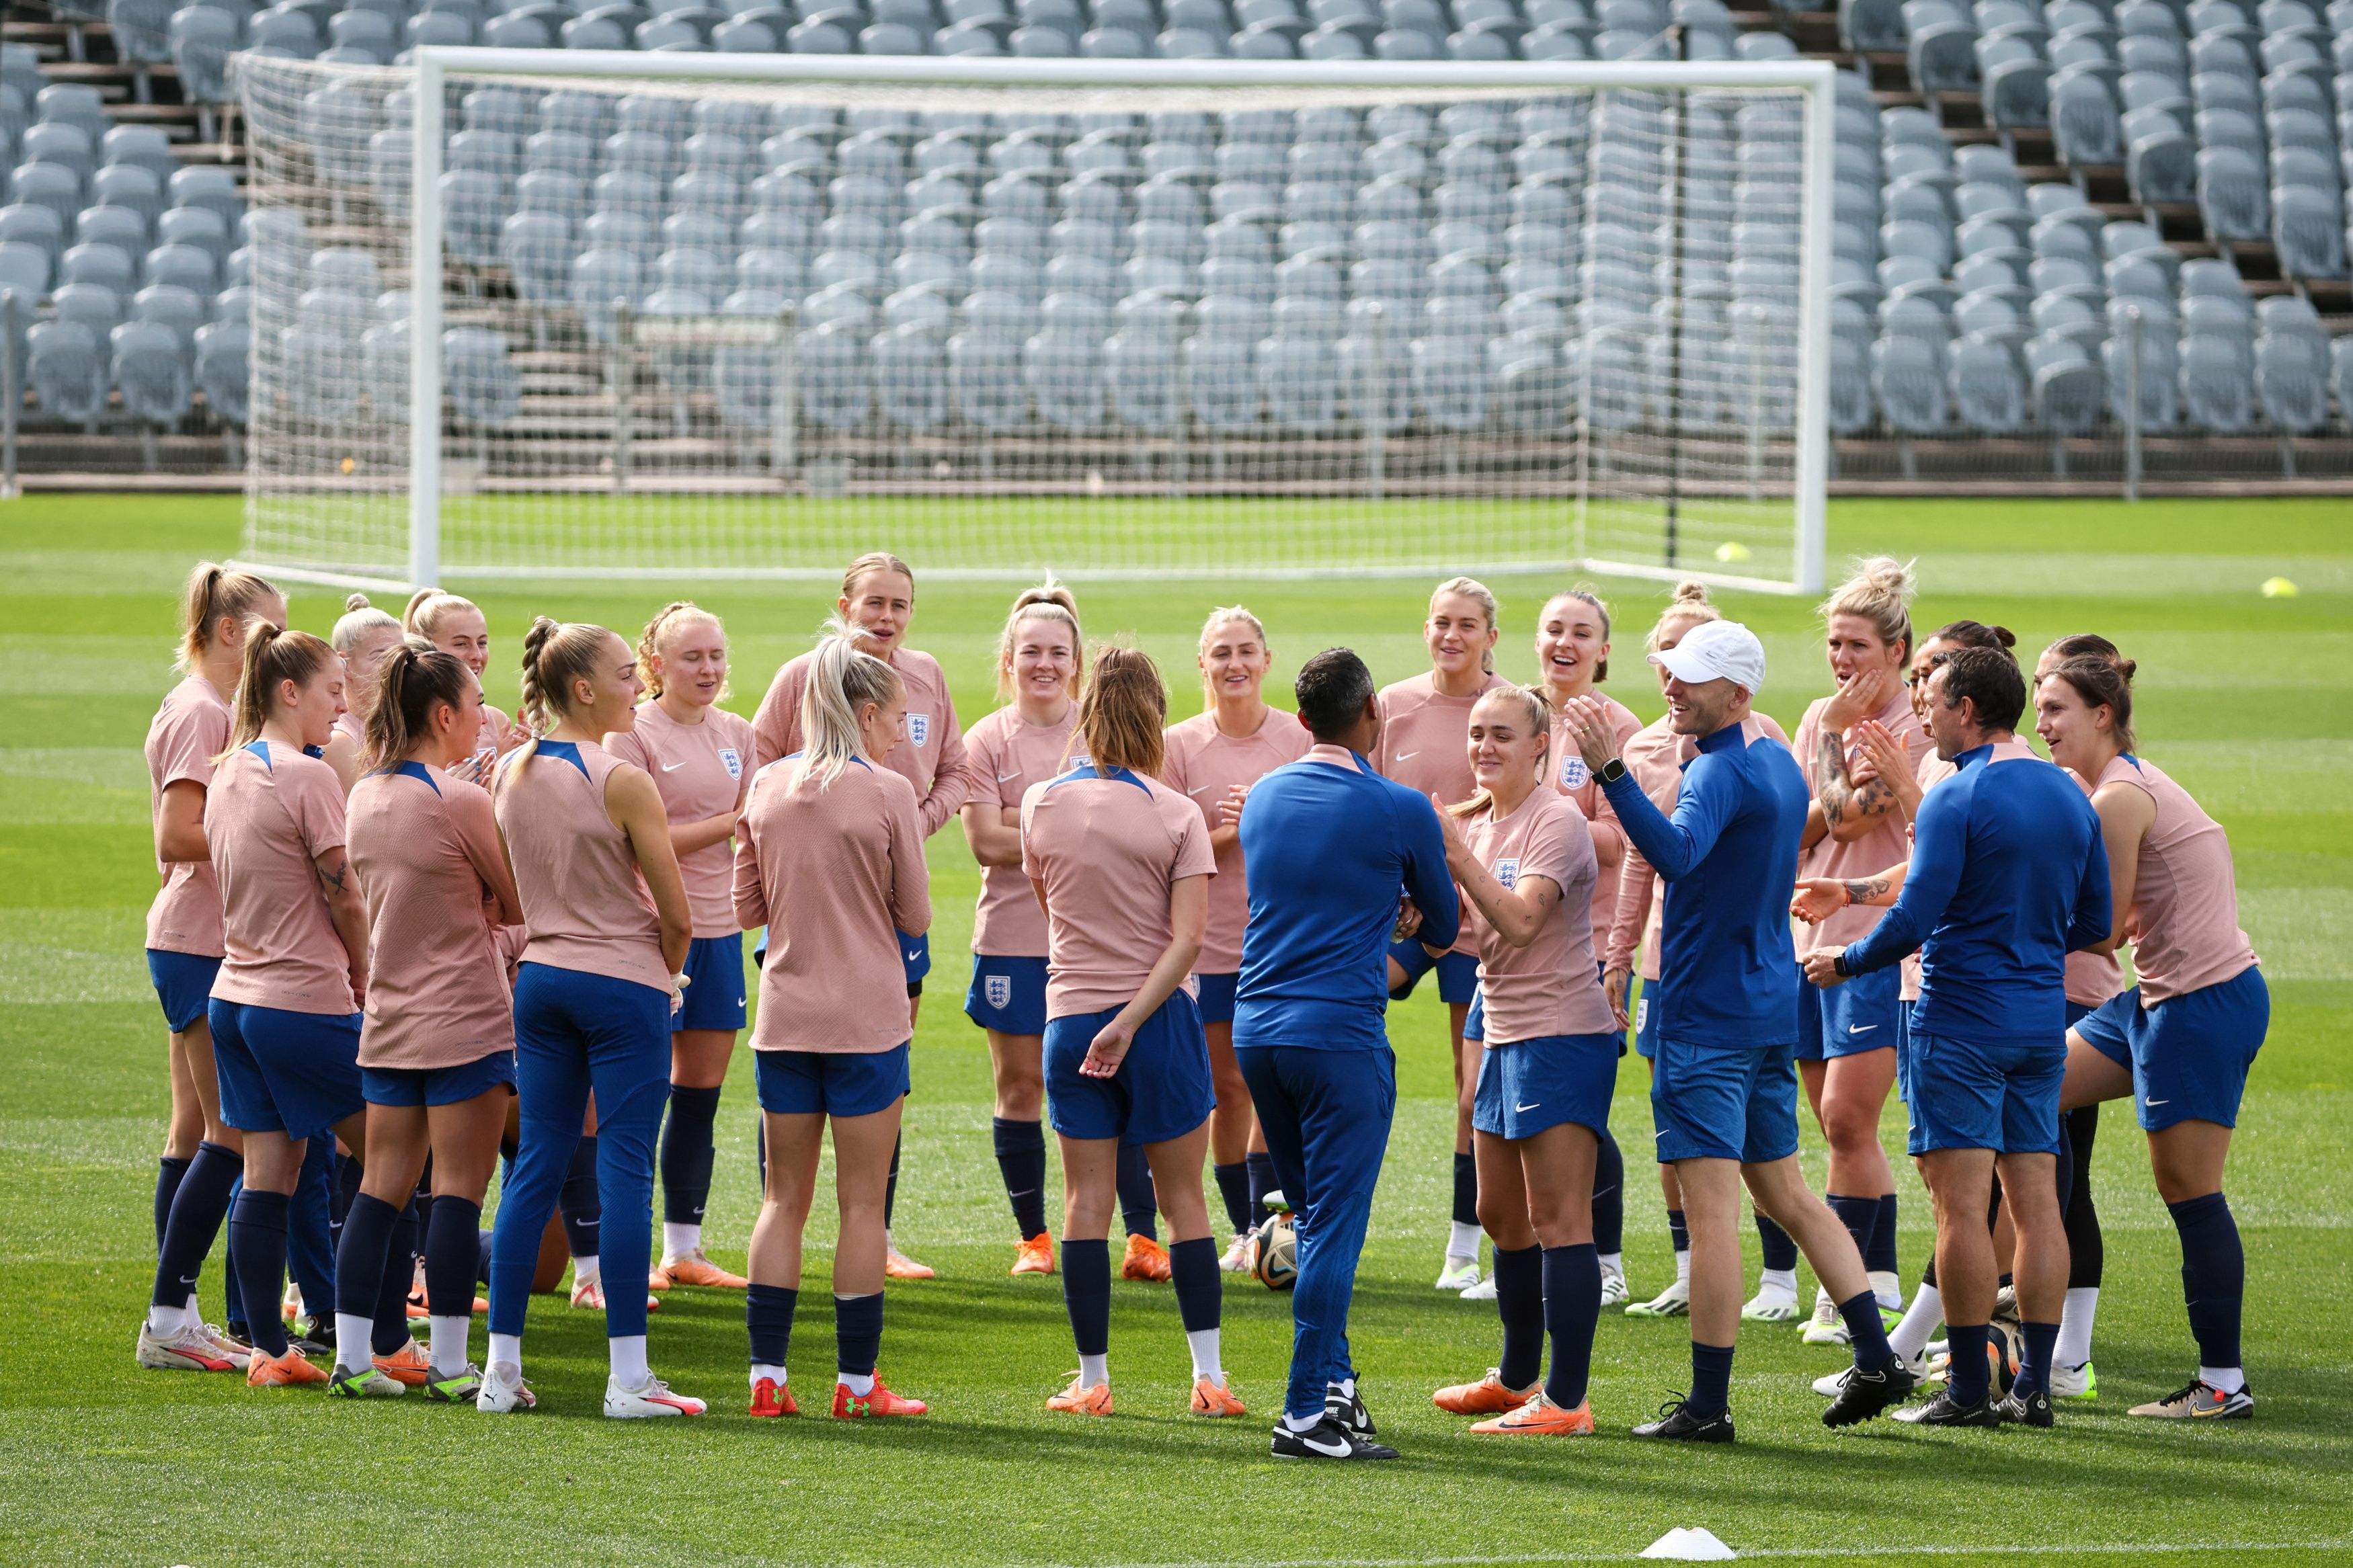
pixel 1528 1086
pixel 184 984
pixel 1162 1090
pixel 1864 1013
pixel 1723 1102
pixel 2189 1054
pixel 1457 972
pixel 1007 994
pixel 714 993
pixel 830 1083
pixel 1216 998
pixel 2003 1096
pixel 296 1073
pixel 1650 1007
pixel 1475 1023
pixel 438 1086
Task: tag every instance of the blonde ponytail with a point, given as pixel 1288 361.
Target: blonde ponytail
pixel 273 656
pixel 1049 601
pixel 1688 605
pixel 841 680
pixel 555 655
pixel 216 593
pixel 417 677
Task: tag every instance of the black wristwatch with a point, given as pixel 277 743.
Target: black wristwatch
pixel 1612 771
pixel 1839 968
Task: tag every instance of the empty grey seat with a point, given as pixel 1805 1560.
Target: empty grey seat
pixel 833 375
pixel 911 380
pixel 2066 388
pixel 202 39
pixel 150 369
pixel 2216 393
pixel 67 371
pixel 1906 375
pixel 2231 193
pixel 2159 354
pixel 1986 391
pixel 2084 125
pixel 222 372
pixel 2291 381
pixel 2308 231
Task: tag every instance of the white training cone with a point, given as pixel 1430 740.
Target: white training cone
pixel 1692 1545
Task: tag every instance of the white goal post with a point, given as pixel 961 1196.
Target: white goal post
pixel 1295 402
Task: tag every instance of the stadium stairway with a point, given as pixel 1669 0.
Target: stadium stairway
pixel 2019 186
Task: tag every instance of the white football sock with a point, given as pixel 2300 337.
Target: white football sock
pixel 775 1374
pixel 585 1270
pixel 627 1354
pixel 2223 1379
pixel 1093 1370
pixel 1302 1423
pixel 1682 1266
pixel 1886 1287
pixel 162 1322
pixel 1613 1263
pixel 860 1383
pixel 507 1348
pixel 353 1337
pixel 680 1241
pixel 1462 1241
pixel 449 1346
pixel 2075 1326
pixel 1782 1279
pixel 1920 1320
pixel 1203 1343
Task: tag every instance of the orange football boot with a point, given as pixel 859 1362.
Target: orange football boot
pixel 1542 1417
pixel 1081 1400
pixel 1488 1397
pixel 882 1401
pixel 1147 1260
pixel 281 1372
pixel 1035 1255
pixel 770 1397
pixel 1215 1399
pixel 408 1364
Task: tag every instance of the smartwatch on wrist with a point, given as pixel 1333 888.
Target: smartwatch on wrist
pixel 1611 770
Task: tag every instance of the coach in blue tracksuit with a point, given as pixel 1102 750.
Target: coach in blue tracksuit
pixel 1724 1088
pixel 2008 874
pixel 1328 846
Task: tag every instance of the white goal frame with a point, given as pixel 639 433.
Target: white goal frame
pixel 434 65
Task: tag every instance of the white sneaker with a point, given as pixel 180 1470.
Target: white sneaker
pixel 1460 1274
pixel 504 1391
pixel 1771 1304
pixel 2074 1381
pixel 1825 1327
pixel 1829 1387
pixel 1613 1288
pixel 1674 1302
pixel 1236 1259
pixel 188 1349
pixel 652 1397
pixel 1482 1291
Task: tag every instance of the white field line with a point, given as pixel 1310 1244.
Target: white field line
pixel 1785 1552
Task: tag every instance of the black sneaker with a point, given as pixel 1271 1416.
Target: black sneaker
pixel 1945 1411
pixel 1344 1408
pixel 1676 1422
pixel 312 1336
pixel 1863 1394
pixel 1327 1439
pixel 2025 1410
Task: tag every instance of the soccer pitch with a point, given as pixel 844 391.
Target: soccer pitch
pixel 2248 701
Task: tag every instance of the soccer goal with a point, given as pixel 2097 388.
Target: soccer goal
pixel 561 313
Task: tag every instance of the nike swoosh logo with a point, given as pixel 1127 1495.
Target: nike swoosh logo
pixel 2157 1102
pixel 1860 1028
pixel 1199 788
pixel 914 954
pixel 672 767
pixel 1014 774
pixel 1520 1108
pixel 1407 756
pixel 1332 1450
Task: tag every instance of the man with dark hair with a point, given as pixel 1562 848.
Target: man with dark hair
pixel 1327 846
pixel 2008 874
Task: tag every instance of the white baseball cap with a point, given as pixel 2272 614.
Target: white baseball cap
pixel 1716 650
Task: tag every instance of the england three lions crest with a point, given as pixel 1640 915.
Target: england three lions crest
pixel 1508 872
pixel 919 728
pixel 1573 774
pixel 734 763
pixel 998 989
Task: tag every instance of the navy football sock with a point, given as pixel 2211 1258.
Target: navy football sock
pixel 1466 1190
pixel 452 1249
pixel 198 1207
pixel 1086 1293
pixel 1021 1160
pixel 1233 1186
pixel 256 1250
pixel 362 1257
pixel 169 1171
pixel 1777 1247
pixel 1865 1331
pixel 2035 1365
pixel 1193 1270
pixel 768 1313
pixel 1678 1232
pixel 1609 1196
pixel 2213 1276
pixel 2087 1253
pixel 1970 1373
pixel 1880 1255
pixel 857 1333
pixel 1711 1389
pixel 1572 1308
pixel 1860 1216
pixel 391 1330
pixel 578 1203
pixel 1520 1302
pixel 1261 1166
pixel 1137 1198
pixel 686 1153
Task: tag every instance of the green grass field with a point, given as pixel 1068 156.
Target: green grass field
pixel 2248 701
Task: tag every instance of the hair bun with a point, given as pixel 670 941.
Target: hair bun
pixel 2004 636
pixel 1690 591
pixel 2127 667
pixel 356 602
pixel 1049 592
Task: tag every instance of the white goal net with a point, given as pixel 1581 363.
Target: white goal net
pixel 712 315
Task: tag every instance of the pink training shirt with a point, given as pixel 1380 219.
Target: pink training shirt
pixel 1887 844
pixel 584 899
pixel 2185 907
pixel 835 871
pixel 932 757
pixel 1551 987
pixel 1575 780
pixel 188 731
pixel 701 770
pixel 272 812
pixel 1007 754
pixel 1425 744
pixel 424 846
pixel 1109 850
pixel 1202 763
pixel 1655 756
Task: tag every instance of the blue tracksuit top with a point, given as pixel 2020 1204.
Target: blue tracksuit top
pixel 1325 853
pixel 1729 855
pixel 2008 876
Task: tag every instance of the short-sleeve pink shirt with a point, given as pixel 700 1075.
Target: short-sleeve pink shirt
pixel 272 812
pixel 702 770
pixel 1553 985
pixel 188 731
pixel 1108 849
pixel 2185 908
pixel 1006 756
pixel 1202 763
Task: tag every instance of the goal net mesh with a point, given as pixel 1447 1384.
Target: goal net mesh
pixel 707 329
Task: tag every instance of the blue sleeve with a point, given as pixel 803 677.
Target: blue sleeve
pixel 1939 850
pixel 1426 880
pixel 2096 910
pixel 1676 844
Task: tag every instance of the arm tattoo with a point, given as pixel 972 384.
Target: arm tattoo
pixel 1839 794
pixel 334 879
pixel 1865 890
